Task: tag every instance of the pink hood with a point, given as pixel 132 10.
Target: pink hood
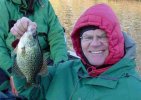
pixel 101 15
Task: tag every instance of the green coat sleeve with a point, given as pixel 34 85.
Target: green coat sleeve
pixel 5 53
pixel 56 37
pixel 31 92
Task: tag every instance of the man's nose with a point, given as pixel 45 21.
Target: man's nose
pixel 95 42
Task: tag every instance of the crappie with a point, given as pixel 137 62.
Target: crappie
pixel 29 58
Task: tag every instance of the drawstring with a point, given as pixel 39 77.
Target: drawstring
pixel 92 71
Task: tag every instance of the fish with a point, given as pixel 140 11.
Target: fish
pixel 29 57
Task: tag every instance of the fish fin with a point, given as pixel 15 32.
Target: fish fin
pixel 15 69
pixel 14 54
pixel 43 70
pixel 15 50
pixel 27 85
pixel 23 50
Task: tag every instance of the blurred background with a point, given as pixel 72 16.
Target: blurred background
pixel 128 12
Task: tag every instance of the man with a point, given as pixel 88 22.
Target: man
pixel 16 16
pixel 105 70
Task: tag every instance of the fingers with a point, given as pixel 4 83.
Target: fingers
pixel 21 26
pixel 14 32
pixel 33 25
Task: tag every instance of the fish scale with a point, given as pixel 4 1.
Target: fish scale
pixel 29 57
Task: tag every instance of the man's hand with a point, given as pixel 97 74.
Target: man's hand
pixel 21 26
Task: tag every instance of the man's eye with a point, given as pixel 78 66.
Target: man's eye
pixel 88 37
pixel 101 37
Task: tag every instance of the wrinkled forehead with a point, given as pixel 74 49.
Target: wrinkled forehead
pixel 87 28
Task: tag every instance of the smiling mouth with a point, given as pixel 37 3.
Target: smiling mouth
pixel 95 52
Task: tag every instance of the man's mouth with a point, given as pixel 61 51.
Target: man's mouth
pixel 96 52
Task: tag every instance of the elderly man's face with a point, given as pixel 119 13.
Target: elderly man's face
pixel 95 45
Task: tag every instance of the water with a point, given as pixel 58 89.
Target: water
pixel 128 12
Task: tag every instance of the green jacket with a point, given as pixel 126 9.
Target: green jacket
pixel 50 32
pixel 70 81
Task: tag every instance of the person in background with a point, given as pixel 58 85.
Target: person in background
pixel 106 69
pixel 16 16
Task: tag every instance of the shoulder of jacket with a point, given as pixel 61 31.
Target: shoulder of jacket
pixel 69 63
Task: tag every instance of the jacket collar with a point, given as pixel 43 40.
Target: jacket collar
pixel 130 46
pixel 20 1
pixel 110 77
pixel 104 80
pixel 24 7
